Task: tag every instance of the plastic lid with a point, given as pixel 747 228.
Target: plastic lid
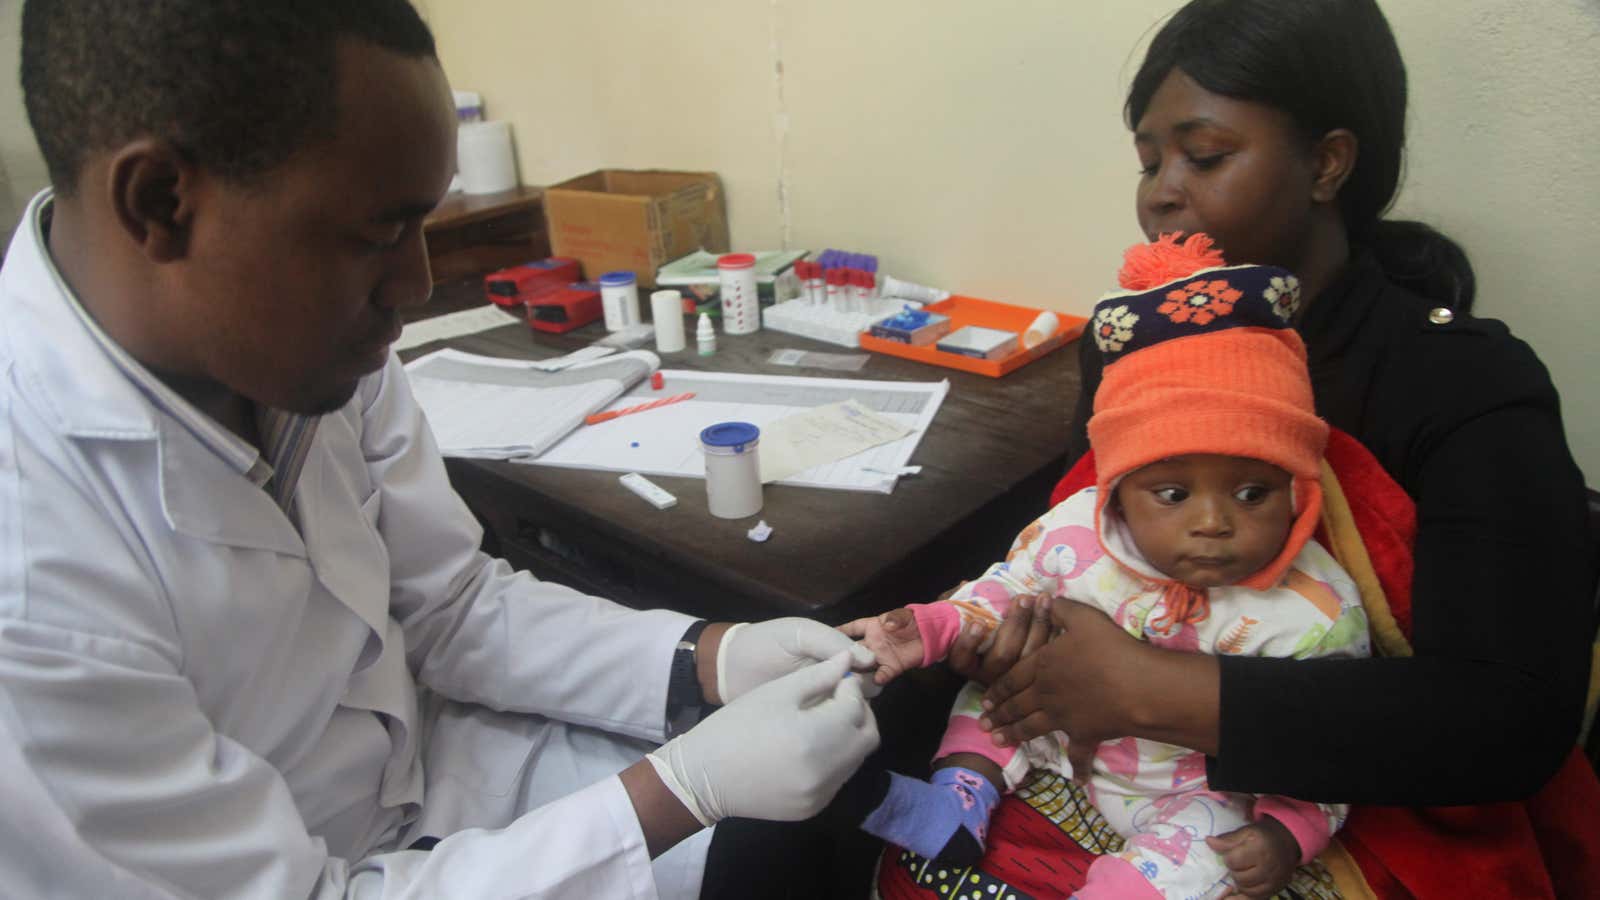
pixel 734 435
pixel 617 278
pixel 736 261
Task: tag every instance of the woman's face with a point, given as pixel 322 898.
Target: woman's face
pixel 1235 170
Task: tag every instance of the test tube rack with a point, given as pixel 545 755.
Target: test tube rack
pixel 823 323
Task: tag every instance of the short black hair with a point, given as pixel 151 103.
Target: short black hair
pixel 1327 64
pixel 236 85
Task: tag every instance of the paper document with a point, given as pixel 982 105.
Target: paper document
pixel 666 441
pixel 822 435
pixel 482 406
pixel 439 328
pixel 700 267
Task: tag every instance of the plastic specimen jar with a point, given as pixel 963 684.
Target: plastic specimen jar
pixel 619 298
pixel 733 469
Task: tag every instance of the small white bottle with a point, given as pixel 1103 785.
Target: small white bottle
pixel 705 336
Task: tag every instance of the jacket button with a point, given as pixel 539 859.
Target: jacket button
pixel 1441 315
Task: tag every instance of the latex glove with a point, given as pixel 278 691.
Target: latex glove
pixel 752 654
pixel 779 752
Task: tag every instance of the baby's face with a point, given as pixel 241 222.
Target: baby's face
pixel 1207 520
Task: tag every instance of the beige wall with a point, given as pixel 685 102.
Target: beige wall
pixel 979 145
pixel 22 172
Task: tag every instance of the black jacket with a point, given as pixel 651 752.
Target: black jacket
pixel 1465 418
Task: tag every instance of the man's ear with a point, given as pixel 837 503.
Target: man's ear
pixel 1333 159
pixel 153 195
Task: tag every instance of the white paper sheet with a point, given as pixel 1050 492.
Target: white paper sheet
pixel 438 328
pixel 666 441
pixel 823 435
pixel 487 407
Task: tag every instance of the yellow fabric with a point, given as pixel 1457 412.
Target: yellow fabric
pixel 1347 877
pixel 1347 547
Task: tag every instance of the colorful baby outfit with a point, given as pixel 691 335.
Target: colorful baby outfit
pixel 1197 362
pixel 1152 793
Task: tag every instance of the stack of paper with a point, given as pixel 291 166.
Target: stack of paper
pixel 700 267
pixel 481 406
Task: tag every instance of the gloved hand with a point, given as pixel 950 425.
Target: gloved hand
pixel 779 752
pixel 752 654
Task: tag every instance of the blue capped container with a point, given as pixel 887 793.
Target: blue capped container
pixel 619 299
pixel 733 469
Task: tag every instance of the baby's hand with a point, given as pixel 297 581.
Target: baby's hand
pixel 1262 857
pixel 893 638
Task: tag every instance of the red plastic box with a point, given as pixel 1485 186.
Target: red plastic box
pixel 512 287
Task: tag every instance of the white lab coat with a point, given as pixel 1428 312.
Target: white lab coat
pixel 203 703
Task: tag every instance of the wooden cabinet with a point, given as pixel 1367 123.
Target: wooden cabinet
pixel 470 234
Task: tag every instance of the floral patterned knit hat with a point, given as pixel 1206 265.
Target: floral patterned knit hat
pixel 1200 358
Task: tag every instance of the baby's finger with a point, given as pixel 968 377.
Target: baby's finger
pixel 856 628
pixel 895 619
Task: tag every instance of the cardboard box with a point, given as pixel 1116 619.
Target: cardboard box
pixel 620 219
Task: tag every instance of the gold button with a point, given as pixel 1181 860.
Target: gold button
pixel 1441 315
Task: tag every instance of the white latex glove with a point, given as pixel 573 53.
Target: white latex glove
pixel 752 654
pixel 779 752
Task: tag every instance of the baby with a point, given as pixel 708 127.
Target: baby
pixel 1197 537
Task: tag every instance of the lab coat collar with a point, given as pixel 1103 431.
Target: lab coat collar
pixel 80 381
pixel 77 385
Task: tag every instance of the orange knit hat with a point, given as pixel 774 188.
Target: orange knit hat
pixel 1201 359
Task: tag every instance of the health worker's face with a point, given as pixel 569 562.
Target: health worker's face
pixel 1207 520
pixel 1237 171
pixel 300 275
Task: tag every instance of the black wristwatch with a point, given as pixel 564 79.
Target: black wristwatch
pixel 686 702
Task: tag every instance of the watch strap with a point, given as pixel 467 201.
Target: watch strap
pixel 686 702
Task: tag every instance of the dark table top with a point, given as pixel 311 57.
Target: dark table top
pixel 988 461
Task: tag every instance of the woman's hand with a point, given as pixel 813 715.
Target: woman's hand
pixel 1023 631
pixel 1081 682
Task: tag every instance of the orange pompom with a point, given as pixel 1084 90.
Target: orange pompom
pixel 1151 265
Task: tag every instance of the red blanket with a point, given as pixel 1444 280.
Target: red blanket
pixel 1545 847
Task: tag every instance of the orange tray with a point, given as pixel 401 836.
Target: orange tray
pixel 987 314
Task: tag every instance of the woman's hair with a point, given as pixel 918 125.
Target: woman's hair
pixel 1327 64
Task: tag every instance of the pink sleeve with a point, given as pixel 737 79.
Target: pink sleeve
pixel 938 624
pixel 1311 824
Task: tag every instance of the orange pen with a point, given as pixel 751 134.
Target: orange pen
pixel 599 417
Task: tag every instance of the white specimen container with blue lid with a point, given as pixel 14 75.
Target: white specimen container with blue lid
pixel 733 469
pixel 619 298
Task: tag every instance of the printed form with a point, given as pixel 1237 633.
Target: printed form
pixel 879 423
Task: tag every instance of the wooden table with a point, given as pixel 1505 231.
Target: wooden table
pixel 474 233
pixel 988 462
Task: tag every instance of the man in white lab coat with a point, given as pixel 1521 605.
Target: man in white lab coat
pixel 248 645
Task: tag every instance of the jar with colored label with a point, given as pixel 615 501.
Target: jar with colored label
pixel 733 469
pixel 619 298
pixel 741 305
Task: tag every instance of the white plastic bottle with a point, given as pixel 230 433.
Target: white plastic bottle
pixel 619 299
pixel 733 469
pixel 741 306
pixel 705 336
